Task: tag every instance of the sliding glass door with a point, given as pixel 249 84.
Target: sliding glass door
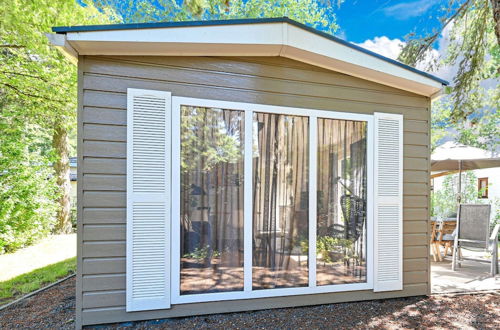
pixel 268 201
pixel 211 208
pixel 341 202
pixel 280 201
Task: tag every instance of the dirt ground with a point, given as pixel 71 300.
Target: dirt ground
pixel 54 308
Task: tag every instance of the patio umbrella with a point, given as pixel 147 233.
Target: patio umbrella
pixel 458 157
pixel 464 164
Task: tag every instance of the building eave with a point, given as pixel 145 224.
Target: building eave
pixel 256 37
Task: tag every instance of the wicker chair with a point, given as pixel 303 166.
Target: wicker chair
pixel 473 232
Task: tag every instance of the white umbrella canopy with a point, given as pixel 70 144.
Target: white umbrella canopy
pixel 457 151
pixel 464 164
pixel 452 156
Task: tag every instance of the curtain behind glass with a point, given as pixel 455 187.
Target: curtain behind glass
pixel 211 200
pixel 280 201
pixel 341 208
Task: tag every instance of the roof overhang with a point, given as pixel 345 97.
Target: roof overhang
pixel 265 37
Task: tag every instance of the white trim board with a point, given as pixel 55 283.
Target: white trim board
pixel 252 39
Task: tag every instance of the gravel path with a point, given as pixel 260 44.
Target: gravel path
pixel 54 308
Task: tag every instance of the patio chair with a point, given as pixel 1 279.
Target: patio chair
pixel 473 233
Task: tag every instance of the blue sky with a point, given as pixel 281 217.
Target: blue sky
pixel 360 20
pixel 378 25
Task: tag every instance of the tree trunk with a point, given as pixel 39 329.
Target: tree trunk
pixel 60 143
pixel 495 4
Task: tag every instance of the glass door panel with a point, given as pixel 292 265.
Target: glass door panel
pixel 341 202
pixel 280 201
pixel 211 200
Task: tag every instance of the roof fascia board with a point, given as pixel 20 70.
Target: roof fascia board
pixel 156 25
pixel 302 39
pixel 255 34
pixel 60 42
pixel 304 47
pixel 276 38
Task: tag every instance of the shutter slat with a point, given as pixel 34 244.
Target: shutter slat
pixel 388 202
pixel 148 209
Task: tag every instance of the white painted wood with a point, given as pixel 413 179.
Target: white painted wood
pixel 263 39
pixel 176 201
pixel 248 203
pixel 236 295
pixel 249 109
pixel 370 223
pixel 269 108
pixel 388 202
pixel 148 200
pixel 313 156
pixel 324 52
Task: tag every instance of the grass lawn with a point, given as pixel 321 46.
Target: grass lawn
pixel 29 282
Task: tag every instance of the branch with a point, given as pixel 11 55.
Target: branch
pixel 17 90
pixel 12 46
pixel 24 75
pixel 429 40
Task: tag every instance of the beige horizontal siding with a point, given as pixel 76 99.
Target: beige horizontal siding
pixel 257 67
pixel 106 286
pixel 274 81
pixel 153 77
pixel 118 101
pixel 105 314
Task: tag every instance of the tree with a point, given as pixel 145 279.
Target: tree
pixel 38 84
pixel 310 12
pixel 474 46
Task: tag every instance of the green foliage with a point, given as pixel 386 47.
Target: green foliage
pixel 444 201
pixel 469 111
pixel 34 280
pixel 205 139
pixel 310 12
pixel 325 245
pixel 480 130
pixel 37 96
pixel 198 253
pixel 27 191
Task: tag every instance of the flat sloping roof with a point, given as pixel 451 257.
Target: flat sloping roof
pixel 290 38
pixel 108 27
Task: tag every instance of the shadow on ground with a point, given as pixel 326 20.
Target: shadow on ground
pixel 54 308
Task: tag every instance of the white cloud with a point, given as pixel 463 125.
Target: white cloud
pixel 391 48
pixel 403 11
pixel 384 46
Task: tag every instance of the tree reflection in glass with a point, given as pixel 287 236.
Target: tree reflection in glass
pixel 280 200
pixel 341 202
pixel 212 151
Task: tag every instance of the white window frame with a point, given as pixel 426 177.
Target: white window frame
pixel 247 292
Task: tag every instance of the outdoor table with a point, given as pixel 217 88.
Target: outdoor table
pixel 441 227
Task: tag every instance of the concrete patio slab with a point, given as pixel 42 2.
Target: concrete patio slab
pixel 473 275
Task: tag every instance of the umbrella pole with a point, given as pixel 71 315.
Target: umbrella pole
pixel 459 197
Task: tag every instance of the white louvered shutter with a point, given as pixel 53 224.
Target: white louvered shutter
pixel 388 202
pixel 148 199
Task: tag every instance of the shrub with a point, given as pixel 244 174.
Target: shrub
pixel 27 191
pixel 444 201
